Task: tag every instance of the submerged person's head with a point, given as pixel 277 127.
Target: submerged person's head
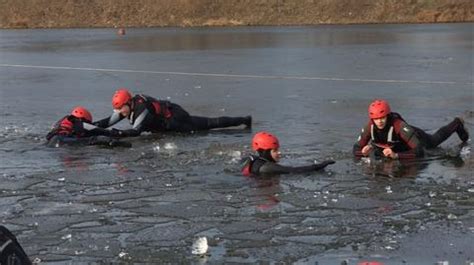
pixel 121 101
pixel 378 112
pixel 82 113
pixel 267 146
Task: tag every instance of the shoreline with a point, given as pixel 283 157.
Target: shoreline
pixel 243 26
pixel 36 14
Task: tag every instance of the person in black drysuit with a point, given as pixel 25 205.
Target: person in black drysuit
pixel 147 114
pixel 77 128
pixel 266 162
pixel 388 135
pixel 11 252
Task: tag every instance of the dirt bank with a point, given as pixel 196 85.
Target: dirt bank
pixel 152 13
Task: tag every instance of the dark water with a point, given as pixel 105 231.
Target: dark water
pixel 308 85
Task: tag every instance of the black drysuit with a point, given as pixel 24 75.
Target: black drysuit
pixel 152 115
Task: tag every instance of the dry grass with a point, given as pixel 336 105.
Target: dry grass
pixel 153 13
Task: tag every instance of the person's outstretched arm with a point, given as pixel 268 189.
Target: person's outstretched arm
pixel 89 129
pixel 109 121
pixel 273 168
pixel 139 125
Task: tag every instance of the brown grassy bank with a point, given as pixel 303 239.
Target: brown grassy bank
pixel 156 13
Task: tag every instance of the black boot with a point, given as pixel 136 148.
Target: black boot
pixel 248 122
pixel 462 131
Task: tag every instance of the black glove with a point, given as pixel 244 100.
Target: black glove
pixel 116 133
pixel 119 143
pixel 323 164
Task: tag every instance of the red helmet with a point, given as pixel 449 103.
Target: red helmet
pixel 379 108
pixel 81 113
pixel 264 141
pixel 120 98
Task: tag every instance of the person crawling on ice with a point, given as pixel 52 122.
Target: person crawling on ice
pixel 388 135
pixel 147 114
pixel 268 155
pixel 77 128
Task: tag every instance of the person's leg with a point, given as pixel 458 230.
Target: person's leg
pixel 443 133
pixel 180 120
pixel 205 123
pixel 425 138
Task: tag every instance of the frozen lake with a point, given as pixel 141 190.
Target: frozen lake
pixel 308 85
